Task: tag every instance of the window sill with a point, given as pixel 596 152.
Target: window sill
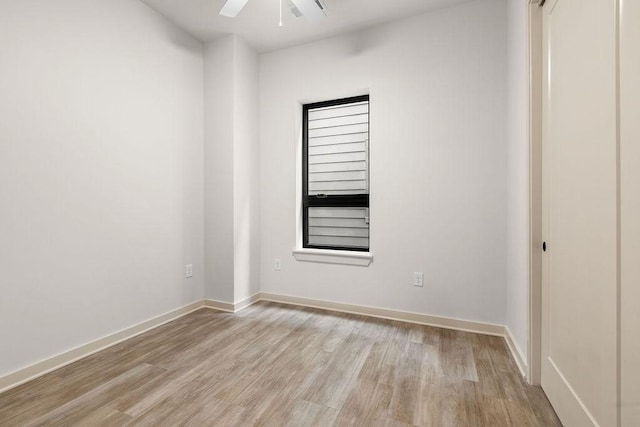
pixel 326 256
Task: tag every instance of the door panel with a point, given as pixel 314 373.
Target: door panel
pixel 630 211
pixel 579 295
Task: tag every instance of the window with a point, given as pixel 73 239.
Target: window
pixel 335 171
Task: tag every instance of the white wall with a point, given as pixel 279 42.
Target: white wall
pixel 517 307
pixel 438 161
pixel 218 169
pixel 101 133
pixel 232 168
pixel 246 172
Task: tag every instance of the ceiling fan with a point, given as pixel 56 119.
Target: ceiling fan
pixel 311 9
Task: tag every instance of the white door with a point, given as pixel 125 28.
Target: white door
pixel 630 212
pixel 579 282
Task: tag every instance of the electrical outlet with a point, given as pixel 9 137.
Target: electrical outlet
pixel 277 266
pixel 188 270
pixel 418 279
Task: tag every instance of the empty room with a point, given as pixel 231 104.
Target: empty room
pixel 320 213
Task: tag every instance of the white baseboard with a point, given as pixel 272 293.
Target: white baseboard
pixel 219 305
pixel 405 316
pixel 572 411
pixel 232 307
pixel 239 305
pixel 516 352
pixel 43 367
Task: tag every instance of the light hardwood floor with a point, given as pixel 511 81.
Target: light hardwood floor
pixel 280 365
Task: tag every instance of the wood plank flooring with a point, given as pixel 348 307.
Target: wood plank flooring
pixel 279 365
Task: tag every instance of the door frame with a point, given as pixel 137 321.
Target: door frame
pixel 535 67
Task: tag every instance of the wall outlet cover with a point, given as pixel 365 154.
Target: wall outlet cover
pixel 418 279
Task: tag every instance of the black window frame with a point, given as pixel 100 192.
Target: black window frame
pixel 327 201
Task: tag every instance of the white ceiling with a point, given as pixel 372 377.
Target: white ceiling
pixel 257 23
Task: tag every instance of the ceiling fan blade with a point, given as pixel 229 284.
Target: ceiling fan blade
pixel 232 7
pixel 313 10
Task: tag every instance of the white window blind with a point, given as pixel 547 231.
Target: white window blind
pixel 338 149
pixel 348 227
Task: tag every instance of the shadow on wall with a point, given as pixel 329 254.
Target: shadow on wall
pixel 180 39
pixel 360 42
